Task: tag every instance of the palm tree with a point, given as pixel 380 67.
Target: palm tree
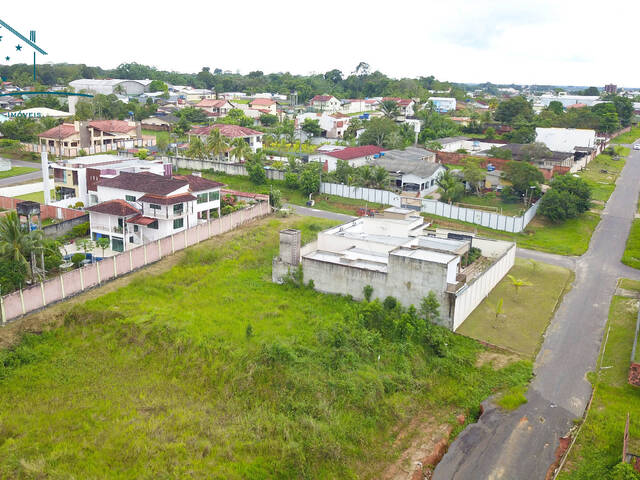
pixel 366 175
pixel 518 282
pixel 380 177
pixel 450 187
pixel 498 308
pixel 389 108
pixel 217 144
pixel 240 149
pixel 16 242
pixel 197 149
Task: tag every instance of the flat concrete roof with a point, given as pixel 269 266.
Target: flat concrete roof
pixel 446 244
pixel 425 255
pixel 353 257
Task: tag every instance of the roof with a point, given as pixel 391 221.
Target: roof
pixel 114 207
pixel 262 101
pixel 350 153
pixel 322 98
pixel 143 182
pixel 164 200
pixel 61 131
pixel 516 150
pixel 211 102
pixel 412 160
pixel 231 131
pixel 566 139
pixel 576 105
pixel 141 220
pixel 198 184
pixel 112 126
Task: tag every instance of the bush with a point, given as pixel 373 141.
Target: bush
pixel 77 259
pixel 291 180
pixel 569 197
pixel 367 291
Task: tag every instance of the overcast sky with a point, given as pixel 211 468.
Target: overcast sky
pixel 561 42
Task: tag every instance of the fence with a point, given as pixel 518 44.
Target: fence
pixel 224 167
pixel 94 149
pixel 22 302
pixel 46 211
pixel 480 217
pixel 360 193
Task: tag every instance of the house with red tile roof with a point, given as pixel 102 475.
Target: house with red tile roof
pixel 110 134
pixel 325 103
pixel 405 105
pixel 264 104
pixel 251 136
pixel 354 156
pixel 333 125
pixel 138 208
pixel 218 108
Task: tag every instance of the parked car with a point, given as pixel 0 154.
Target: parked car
pixel 636 146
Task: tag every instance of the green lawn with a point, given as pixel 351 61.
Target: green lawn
pixel 36 196
pixel 631 255
pixel 209 370
pixel 494 202
pixel 569 238
pixel 15 171
pixel 520 327
pixel 162 134
pixel 601 174
pixel 629 137
pixel 598 447
pixel 330 203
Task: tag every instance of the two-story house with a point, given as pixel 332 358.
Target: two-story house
pixel 138 208
pixel 252 137
pixel 217 108
pixel 266 105
pixel 326 103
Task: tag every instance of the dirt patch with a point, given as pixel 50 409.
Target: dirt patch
pixel 428 441
pixel 497 360
pixel 53 316
pixel 563 445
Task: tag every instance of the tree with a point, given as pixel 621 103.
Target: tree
pixel 197 149
pixel 522 176
pixel 608 120
pixel 380 177
pixel 624 108
pixel 17 243
pixel 103 243
pixel 12 275
pixel 193 115
pixel 523 132
pixel 509 110
pixel 240 149
pixel 162 142
pixel 451 188
pixel 575 186
pixel 182 127
pixel 535 151
pixel 217 144
pixel 556 107
pixel 558 206
pixel 311 127
pixel 429 307
pixel 382 132
pixel 310 178
pixel 490 133
pixel 268 120
pixel 517 283
pixel 389 108
pixel 473 175
pixel 275 198
pixel 20 128
pixel 255 169
pixel 158 86
pixel 498 308
pixel 334 76
pixel 497 152
pixel 343 171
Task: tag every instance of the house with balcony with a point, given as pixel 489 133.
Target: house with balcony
pixel 265 105
pixel 405 105
pixel 138 208
pixel 214 107
pixel 231 132
pixel 325 103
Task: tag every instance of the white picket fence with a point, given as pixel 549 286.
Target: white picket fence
pixel 361 193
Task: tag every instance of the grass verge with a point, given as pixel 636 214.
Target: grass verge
pixel 164 378
pixel 598 447
pixel 631 255
pixel 601 174
pixel 628 137
pixel 15 171
pixel 35 196
pixel 518 326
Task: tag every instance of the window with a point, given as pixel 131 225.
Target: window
pixel 214 196
pixel 177 209
pixel 178 223
pixel 203 198
pixel 154 206
pixel 135 228
pixel 130 198
pixel 153 225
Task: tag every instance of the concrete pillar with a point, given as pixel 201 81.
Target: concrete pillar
pixel 290 246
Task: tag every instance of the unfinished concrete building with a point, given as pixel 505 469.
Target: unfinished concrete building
pixel 398 255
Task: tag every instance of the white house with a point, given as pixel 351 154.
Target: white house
pixel 333 125
pixel 354 156
pixel 412 170
pixel 264 105
pixel 443 104
pixel 405 105
pixel 567 100
pixel 111 86
pixel 355 105
pixel 138 208
pixel 325 103
pixel 252 137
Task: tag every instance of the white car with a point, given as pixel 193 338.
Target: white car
pixel 636 146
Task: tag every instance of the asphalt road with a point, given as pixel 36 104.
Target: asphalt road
pixel 522 444
pixel 5 182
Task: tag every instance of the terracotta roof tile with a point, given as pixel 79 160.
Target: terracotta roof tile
pixel 164 200
pixel 114 207
pixel 350 153
pixel 143 182
pixel 112 126
pixel 262 101
pixel 230 131
pixel 198 184
pixel 61 131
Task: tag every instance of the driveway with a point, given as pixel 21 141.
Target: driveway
pixel 522 444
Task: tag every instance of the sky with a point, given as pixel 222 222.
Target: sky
pixel 559 42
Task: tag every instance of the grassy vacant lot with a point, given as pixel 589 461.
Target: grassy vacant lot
pixel 631 255
pixel 629 137
pixel 330 203
pixel 495 202
pixel 211 371
pixel 17 171
pixel 35 196
pixel 601 174
pixel 598 447
pixel 519 327
pixel 569 238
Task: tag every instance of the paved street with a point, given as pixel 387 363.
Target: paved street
pixel 4 182
pixel 522 444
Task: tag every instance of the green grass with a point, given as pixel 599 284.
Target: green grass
pixel 629 284
pixel 331 203
pixel 631 255
pixel 628 137
pixel 599 445
pixel 512 398
pixel 36 196
pixel 520 327
pixel 15 171
pixel 601 175
pixel 162 134
pixel 495 202
pixel 158 379
pixel 569 238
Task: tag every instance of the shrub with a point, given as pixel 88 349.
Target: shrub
pixel 291 180
pixel 77 259
pixel 367 291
